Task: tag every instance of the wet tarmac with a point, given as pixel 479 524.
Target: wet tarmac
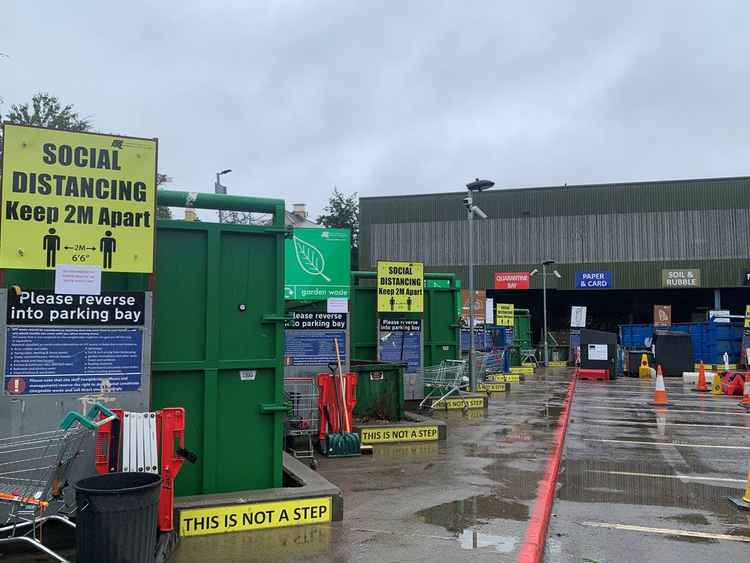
pixel 468 498
pixel 640 483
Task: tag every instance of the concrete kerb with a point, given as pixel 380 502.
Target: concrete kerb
pixel 312 485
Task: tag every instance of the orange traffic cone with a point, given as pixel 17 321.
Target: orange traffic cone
pixel 660 393
pixel 746 394
pixel 700 385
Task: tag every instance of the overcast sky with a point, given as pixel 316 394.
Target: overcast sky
pixel 395 97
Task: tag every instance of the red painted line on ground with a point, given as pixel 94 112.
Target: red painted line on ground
pixel 532 549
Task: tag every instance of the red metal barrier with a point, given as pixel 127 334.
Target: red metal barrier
pixel 170 435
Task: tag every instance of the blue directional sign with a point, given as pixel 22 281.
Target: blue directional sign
pixel 594 280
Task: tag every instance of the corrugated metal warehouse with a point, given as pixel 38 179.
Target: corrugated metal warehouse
pixel 636 233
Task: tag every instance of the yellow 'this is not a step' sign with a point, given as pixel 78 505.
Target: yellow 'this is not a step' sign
pixel 77 198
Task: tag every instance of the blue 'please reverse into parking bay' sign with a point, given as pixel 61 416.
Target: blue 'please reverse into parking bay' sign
pixel 593 280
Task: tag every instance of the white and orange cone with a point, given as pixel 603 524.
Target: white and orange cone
pixel 745 402
pixel 660 392
pixel 700 384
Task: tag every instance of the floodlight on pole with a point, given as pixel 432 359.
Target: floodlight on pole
pixel 219 189
pixel 557 274
pixel 472 209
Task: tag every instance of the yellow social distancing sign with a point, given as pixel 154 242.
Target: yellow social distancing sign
pixel 77 198
pixel 504 314
pixel 400 287
pixel 747 316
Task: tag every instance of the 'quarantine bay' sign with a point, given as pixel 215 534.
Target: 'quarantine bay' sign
pixel 77 198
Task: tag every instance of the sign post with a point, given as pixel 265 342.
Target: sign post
pixel 663 316
pixel 594 280
pixel 317 264
pixel 577 322
pixel 77 198
pixel 681 279
pixel 512 280
pixel 504 313
pixel 400 287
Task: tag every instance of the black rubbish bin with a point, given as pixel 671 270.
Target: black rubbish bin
pixel 117 517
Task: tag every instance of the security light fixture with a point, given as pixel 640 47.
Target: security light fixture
pixel 479 185
pixel 473 210
pixel 557 274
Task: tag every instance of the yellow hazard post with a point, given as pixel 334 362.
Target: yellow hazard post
pixel 716 388
pixel 644 372
pixel 744 502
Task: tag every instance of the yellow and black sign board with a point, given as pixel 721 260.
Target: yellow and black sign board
pixel 504 314
pixel 408 449
pixel 493 387
pixel 554 364
pixel 505 377
pixel 747 316
pixel 388 434
pixel 400 287
pixel 715 367
pixel 77 198
pixel 255 516
pixel 523 370
pixel 455 403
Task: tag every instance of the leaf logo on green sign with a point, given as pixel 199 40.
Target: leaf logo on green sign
pixel 309 258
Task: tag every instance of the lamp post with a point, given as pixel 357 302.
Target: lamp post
pixel 545 263
pixel 219 189
pixel 474 188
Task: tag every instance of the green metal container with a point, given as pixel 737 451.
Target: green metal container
pixel 440 328
pixel 521 335
pixel 218 350
pixel 380 389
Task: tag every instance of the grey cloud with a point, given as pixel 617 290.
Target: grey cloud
pixel 398 97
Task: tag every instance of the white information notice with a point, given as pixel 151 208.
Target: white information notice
pixel 336 305
pixel 577 317
pixel 78 280
pixel 598 352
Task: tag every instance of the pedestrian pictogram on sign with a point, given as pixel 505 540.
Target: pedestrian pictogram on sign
pixel 400 287
pixel 77 198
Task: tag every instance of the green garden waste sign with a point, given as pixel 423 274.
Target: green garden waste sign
pixel 317 264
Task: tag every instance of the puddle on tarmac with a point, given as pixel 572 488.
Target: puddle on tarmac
pixel 689 519
pixel 469 539
pixel 458 515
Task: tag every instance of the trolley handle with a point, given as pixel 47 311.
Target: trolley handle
pixel 89 421
pixel 97 408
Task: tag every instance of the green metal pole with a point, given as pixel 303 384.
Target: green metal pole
pixel 198 200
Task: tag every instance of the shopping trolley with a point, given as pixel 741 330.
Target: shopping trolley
pixel 447 378
pixel 486 363
pixel 301 396
pixel 33 470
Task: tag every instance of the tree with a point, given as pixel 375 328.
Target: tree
pixel 162 212
pixel 46 110
pixel 342 212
